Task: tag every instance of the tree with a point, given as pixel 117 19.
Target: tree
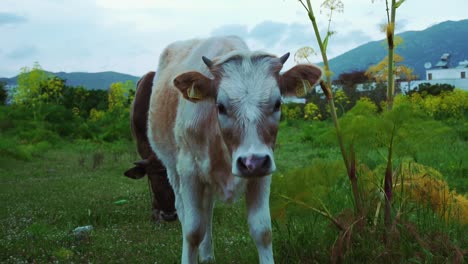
pixel 3 93
pixel 28 91
pixel 83 100
pixel 116 97
pixel 119 94
pixel 51 89
pixel 379 71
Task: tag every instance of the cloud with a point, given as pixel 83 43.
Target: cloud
pixel 11 18
pixel 299 35
pixel 268 32
pixel 232 29
pixel 22 52
pixel 278 37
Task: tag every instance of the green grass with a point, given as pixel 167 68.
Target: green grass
pixel 46 198
pixel 74 184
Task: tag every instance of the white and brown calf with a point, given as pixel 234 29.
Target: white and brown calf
pixel 213 123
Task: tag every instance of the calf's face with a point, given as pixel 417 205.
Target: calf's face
pixel 247 90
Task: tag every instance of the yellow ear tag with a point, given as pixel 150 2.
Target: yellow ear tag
pixel 194 93
pixel 301 88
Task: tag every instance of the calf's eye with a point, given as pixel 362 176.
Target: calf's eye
pixel 221 109
pixel 277 106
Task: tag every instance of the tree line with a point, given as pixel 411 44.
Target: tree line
pixel 43 110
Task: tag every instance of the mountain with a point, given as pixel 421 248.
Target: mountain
pixel 418 48
pixel 98 80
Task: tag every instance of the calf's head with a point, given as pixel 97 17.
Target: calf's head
pixel 246 90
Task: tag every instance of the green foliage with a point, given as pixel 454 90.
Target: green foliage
pixel 447 105
pixel 341 100
pixel 291 111
pixel 51 89
pixel 432 89
pixel 411 130
pixel 119 95
pixel 84 100
pixel 25 146
pixel 312 112
pixel 319 175
pixel 113 125
pixel 29 90
pixel 3 93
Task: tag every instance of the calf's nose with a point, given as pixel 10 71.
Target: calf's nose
pixel 254 165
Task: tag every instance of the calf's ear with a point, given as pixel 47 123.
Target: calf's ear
pixel 294 81
pixel 136 172
pixel 194 86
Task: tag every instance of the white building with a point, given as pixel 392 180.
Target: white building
pixel 442 73
pixel 442 69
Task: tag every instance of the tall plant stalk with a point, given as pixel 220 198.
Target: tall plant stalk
pixel 326 88
pixel 390 31
pixel 388 182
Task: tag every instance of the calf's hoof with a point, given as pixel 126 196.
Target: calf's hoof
pixel 159 215
pixel 169 216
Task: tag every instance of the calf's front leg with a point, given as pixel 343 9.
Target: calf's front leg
pixel 193 224
pixel 258 210
pixel 206 246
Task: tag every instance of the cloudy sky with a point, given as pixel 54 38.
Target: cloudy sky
pixel 128 35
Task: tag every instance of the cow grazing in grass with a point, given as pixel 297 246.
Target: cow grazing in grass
pixel 163 196
pixel 213 118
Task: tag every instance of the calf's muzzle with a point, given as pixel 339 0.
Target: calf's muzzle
pixel 254 165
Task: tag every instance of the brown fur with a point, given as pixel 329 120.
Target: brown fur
pixel 289 80
pixel 163 195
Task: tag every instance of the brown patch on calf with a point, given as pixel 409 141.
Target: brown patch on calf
pixel 163 112
pixel 195 237
pixel 267 132
pixel 266 237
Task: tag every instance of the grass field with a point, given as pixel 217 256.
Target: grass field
pixel 77 184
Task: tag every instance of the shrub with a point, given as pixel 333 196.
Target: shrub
pixel 425 89
pixel 447 105
pixel 297 184
pixel 312 112
pixel 291 111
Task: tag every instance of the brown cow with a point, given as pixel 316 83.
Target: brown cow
pixel 213 118
pixel 163 196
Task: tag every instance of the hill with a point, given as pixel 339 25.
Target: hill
pixel 418 48
pixel 98 80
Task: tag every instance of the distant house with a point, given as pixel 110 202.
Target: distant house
pixel 442 73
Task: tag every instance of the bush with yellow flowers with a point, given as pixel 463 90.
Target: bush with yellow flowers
pixel 312 112
pixel 446 105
